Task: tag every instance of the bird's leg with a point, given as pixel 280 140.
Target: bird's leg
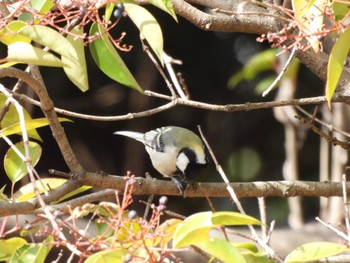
pixel 180 182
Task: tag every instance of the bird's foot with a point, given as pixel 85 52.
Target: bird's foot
pixel 181 184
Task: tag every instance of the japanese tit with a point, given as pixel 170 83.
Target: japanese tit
pixel 174 151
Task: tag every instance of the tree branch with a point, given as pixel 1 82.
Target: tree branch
pixel 154 186
pixel 252 23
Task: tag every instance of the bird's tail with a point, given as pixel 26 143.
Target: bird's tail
pixel 138 136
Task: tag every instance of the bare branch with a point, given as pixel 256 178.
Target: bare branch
pixel 255 24
pixel 154 186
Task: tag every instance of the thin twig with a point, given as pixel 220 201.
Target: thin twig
pixel 282 72
pixel 269 233
pixel 263 217
pixel 159 68
pixel 168 61
pixel 330 139
pixel 233 195
pixel 178 101
pixel 338 232
pixel 330 127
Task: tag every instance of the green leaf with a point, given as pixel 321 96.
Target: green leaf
pixel 11 118
pixel 193 229
pixel 258 63
pixel 73 193
pixel 222 250
pixel 36 252
pixel 315 251
pixel 233 218
pixel 167 229
pixel 22 52
pixel 26 192
pixel 251 257
pixel 30 124
pixel 78 77
pixel 166 6
pixel 42 6
pixel 340 9
pixel 109 11
pixel 108 256
pixel 15 167
pixel 108 59
pixel 8 34
pixel 8 247
pixel 25 17
pixel 336 61
pixel 70 53
pixel 148 26
pixel 2 195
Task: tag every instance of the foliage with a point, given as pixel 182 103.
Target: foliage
pixel 21 36
pixel 122 234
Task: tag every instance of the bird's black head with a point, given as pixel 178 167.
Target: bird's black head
pixel 187 161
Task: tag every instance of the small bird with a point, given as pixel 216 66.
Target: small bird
pixel 174 152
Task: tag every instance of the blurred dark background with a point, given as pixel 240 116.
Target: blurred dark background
pixel 249 145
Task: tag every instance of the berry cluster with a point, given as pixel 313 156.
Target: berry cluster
pixel 119 10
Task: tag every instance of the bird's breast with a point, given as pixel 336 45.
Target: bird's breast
pixel 164 162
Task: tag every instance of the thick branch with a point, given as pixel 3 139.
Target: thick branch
pixel 252 23
pixel 145 186
pixel 248 189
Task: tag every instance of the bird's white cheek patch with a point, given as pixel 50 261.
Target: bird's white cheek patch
pixel 182 162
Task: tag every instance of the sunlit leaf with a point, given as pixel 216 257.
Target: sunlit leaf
pixel 251 257
pixel 194 228
pixel 2 195
pixel 26 192
pixel 70 54
pixel 310 19
pixel 78 77
pixel 7 64
pixel 340 9
pixel 148 26
pixel 8 34
pixel 167 229
pixel 73 193
pixel 337 58
pixel 314 251
pixel 166 6
pixel 34 252
pixel 233 218
pixel 110 255
pixel 109 11
pixel 8 247
pixel 108 59
pixel 42 6
pixel 30 124
pixel 11 118
pixel 15 167
pixel 222 250
pixel 22 52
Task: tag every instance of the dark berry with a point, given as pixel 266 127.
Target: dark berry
pixel 121 7
pixel 117 13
